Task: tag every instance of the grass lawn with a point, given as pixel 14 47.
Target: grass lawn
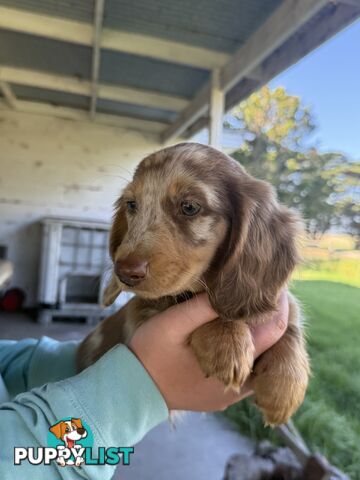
pixel 340 270
pixel 329 419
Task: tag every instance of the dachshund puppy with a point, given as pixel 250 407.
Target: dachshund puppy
pixel 193 220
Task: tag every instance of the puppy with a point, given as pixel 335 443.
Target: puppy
pixel 193 220
pixel 69 432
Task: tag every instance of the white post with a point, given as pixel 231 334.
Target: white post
pixel 9 95
pixel 98 22
pixel 217 101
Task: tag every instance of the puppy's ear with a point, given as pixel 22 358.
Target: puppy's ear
pixel 259 252
pixel 77 422
pixel 57 429
pixel 117 233
pixel 118 228
pixel 111 291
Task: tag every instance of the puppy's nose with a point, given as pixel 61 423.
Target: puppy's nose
pixel 131 270
pixel 81 431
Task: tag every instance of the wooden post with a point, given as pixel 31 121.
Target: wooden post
pixel 217 97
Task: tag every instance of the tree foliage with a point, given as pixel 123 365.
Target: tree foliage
pixel 276 146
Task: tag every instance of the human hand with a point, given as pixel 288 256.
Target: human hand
pixel 161 346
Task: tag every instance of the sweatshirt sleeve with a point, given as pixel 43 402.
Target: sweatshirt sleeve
pixel 30 363
pixel 116 398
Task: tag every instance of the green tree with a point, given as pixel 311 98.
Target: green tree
pixel 350 220
pixel 348 199
pixel 275 116
pixel 275 129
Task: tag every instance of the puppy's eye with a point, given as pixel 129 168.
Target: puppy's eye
pixel 131 206
pixel 67 429
pixel 190 208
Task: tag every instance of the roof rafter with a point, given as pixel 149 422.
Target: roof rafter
pixel 129 123
pixel 82 33
pixel 337 18
pixel 285 21
pixel 96 56
pixel 117 93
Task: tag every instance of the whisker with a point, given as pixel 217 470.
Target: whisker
pixel 201 283
pixel 127 180
pixel 126 170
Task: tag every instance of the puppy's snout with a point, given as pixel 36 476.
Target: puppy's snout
pixel 131 270
pixel 81 431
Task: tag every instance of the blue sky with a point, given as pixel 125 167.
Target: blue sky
pixel 328 80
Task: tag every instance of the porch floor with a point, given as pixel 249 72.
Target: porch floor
pixel 197 449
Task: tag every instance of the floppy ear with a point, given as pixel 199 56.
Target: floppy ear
pixel 57 429
pixel 111 291
pixel 259 252
pixel 117 233
pixel 118 228
pixel 77 422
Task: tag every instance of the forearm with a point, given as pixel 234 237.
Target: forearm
pixel 30 363
pixel 115 397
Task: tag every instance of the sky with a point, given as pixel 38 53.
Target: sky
pixel 328 81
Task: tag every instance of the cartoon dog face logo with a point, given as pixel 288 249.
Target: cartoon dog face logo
pixel 69 431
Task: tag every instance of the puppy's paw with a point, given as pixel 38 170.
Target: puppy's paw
pixel 224 350
pixel 61 461
pixel 232 366
pixel 281 377
pixel 279 401
pixel 79 461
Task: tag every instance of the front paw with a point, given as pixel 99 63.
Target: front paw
pixel 224 350
pixel 79 461
pixel 281 377
pixel 279 397
pixel 61 461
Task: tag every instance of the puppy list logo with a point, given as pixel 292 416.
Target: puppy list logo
pixel 70 443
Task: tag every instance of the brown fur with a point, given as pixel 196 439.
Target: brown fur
pixel 240 248
pixel 59 429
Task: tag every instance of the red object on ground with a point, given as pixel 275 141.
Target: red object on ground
pixel 12 300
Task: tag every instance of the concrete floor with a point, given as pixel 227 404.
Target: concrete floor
pixel 197 449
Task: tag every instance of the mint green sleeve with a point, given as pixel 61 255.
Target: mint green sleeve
pixel 30 363
pixel 116 397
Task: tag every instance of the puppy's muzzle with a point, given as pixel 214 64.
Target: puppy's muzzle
pixel 131 270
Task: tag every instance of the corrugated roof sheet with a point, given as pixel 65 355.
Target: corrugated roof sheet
pixel 79 101
pixel 222 25
pixel 36 53
pixel 137 111
pixel 50 96
pixel 141 72
pixel 80 10
pixel 217 24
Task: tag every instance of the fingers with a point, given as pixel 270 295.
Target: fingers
pixel 218 398
pixel 187 316
pixel 266 335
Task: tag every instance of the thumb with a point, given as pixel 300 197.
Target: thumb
pixel 266 334
pixel 186 316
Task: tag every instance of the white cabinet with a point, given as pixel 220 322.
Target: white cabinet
pixel 74 262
